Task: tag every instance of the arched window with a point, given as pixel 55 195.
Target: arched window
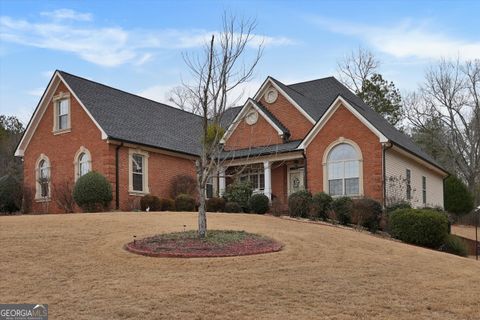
pixel 43 177
pixel 343 167
pixel 82 162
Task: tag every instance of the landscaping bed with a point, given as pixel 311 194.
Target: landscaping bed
pixel 218 243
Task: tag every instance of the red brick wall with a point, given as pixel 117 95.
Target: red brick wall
pixel 61 150
pixel 279 181
pixel 246 136
pixel 344 124
pixel 289 116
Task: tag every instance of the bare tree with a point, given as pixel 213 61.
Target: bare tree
pixel 221 68
pixel 356 68
pixel 451 95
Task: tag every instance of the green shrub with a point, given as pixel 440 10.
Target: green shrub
pixel 167 204
pixel 299 204
pixel 151 202
pixel 399 205
pixel 419 226
pixel 367 213
pixel 184 202
pixel 458 199
pixel 321 205
pixel 259 203
pixel 10 194
pixel 343 207
pixel 92 192
pixel 215 205
pixel 455 245
pixel 233 207
pixel 239 192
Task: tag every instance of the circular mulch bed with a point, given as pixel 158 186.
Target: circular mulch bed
pixel 218 243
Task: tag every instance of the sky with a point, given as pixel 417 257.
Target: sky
pixel 138 46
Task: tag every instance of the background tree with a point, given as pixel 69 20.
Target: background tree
pixel 11 130
pixel 217 71
pixel 450 95
pixel 359 72
pixel 458 199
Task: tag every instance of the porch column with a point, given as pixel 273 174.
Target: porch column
pixel 221 181
pixel 267 173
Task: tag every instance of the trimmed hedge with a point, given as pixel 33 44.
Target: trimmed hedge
pixel 399 205
pixel 233 207
pixel 419 226
pixel 458 199
pixel 367 213
pixel 151 202
pixel 167 204
pixel 321 205
pixel 259 203
pixel 92 192
pixel 239 192
pixel 455 245
pixel 215 205
pixel 343 208
pixel 299 203
pixel 10 194
pixel 184 202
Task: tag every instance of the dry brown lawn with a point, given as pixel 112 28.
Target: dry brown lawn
pixel 465 231
pixel 76 264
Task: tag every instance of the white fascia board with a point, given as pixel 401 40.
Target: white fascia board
pixel 328 114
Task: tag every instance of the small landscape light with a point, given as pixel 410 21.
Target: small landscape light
pixel 134 239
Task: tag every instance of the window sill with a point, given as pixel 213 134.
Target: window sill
pixel 43 199
pixel 57 132
pixel 137 193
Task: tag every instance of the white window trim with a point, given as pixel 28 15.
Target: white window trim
pixel 145 155
pixel 332 145
pixel 76 163
pixel 38 187
pixel 61 96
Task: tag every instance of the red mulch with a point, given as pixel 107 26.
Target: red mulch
pixel 196 248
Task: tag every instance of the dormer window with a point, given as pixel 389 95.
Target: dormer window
pixel 61 104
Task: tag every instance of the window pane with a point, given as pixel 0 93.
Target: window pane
pixel 352 169
pixel 63 107
pixel 254 181
pixel 137 163
pixel 262 181
pixel 209 190
pixel 335 170
pixel 62 122
pixel 44 188
pixel 352 186
pixel 137 182
pixel 343 151
pixel 335 187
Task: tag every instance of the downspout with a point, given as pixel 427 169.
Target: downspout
pixel 305 180
pixel 385 147
pixel 117 176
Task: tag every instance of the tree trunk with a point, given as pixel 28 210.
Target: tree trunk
pixel 202 215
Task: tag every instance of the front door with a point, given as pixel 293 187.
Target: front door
pixel 295 180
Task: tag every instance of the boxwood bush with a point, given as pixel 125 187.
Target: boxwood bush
pixel 239 192
pixel 321 205
pixel 151 202
pixel 233 207
pixel 215 205
pixel 455 245
pixel 184 202
pixel 92 192
pixel 299 204
pixel 419 226
pixel 167 204
pixel 343 207
pixel 367 213
pixel 259 203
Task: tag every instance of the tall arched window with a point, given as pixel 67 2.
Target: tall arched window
pixel 343 166
pixel 43 177
pixel 83 164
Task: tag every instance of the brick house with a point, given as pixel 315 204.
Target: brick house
pixel 316 135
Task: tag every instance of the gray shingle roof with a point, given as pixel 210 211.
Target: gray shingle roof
pixel 317 95
pixel 272 118
pixel 261 151
pixel 128 117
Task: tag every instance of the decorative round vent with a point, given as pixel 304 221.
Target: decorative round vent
pixel 271 95
pixel 251 117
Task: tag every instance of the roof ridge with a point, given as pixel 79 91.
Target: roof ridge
pixel 129 93
pixel 302 82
